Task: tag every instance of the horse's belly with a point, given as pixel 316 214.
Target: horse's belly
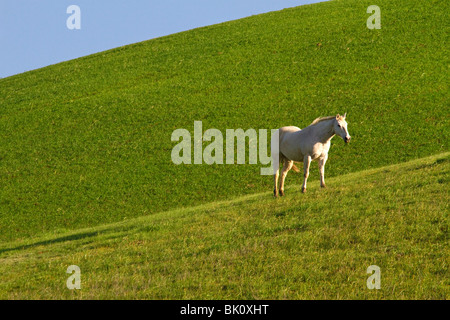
pixel 291 151
pixel 294 156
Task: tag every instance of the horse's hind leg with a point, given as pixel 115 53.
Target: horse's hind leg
pixel 275 183
pixel 276 169
pixel 286 167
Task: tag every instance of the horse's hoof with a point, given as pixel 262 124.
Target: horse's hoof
pixel 304 190
pixel 281 193
pixel 324 186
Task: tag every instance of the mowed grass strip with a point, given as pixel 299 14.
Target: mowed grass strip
pixel 316 245
pixel 88 141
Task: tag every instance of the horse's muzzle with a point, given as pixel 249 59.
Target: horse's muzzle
pixel 347 139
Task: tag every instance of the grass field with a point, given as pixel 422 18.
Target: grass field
pixel 87 142
pixel 304 246
pixel 86 175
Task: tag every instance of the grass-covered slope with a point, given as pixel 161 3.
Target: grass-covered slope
pixel 305 246
pixel 87 141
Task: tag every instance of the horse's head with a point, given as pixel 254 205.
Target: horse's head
pixel 340 128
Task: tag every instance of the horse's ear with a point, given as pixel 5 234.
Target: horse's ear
pixel 338 116
pixel 345 114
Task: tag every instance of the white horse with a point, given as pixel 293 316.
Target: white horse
pixel 311 143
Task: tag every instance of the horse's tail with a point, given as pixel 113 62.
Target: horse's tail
pixel 295 168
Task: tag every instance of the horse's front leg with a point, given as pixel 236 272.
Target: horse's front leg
pixel 306 163
pixel 322 162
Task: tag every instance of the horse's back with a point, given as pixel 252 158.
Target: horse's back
pixel 289 129
pixel 285 132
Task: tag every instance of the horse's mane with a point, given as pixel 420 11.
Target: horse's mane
pixel 317 120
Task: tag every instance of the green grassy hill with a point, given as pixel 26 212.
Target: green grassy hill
pixel 304 246
pixel 86 175
pixel 87 142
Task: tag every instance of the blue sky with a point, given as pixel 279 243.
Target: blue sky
pixel 34 34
